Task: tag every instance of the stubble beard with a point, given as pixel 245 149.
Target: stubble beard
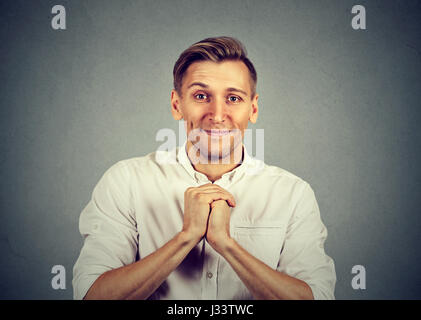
pixel 226 149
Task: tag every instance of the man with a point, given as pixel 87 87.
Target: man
pixel 208 226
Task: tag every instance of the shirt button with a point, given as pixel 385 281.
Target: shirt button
pixel 95 227
pixel 209 275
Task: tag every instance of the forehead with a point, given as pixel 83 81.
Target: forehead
pixel 219 75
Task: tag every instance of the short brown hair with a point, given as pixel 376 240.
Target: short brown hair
pixel 213 49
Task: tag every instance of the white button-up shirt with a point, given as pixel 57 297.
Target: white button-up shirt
pixel 137 207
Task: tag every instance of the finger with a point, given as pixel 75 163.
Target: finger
pixel 230 197
pixel 211 189
pixel 218 203
pixel 205 185
pixel 195 190
pixel 211 197
pixel 210 186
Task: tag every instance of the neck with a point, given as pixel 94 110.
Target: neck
pixel 214 171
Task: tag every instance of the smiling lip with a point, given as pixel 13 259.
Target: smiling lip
pixel 216 132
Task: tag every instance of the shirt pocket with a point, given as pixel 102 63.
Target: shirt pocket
pixel 262 239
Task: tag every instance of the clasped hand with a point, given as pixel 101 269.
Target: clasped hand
pixel 207 214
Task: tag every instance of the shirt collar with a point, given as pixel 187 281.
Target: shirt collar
pixel 246 166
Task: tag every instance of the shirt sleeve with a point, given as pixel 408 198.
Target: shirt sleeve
pixel 108 227
pixel 303 256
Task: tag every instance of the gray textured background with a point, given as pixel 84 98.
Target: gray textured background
pixel 340 109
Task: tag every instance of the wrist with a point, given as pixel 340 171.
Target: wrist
pixel 187 238
pixel 223 245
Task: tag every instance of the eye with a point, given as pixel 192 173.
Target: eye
pixel 234 99
pixel 201 96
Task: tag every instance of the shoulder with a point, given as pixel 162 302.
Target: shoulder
pixel 282 178
pixel 142 167
pixel 297 190
pixel 281 173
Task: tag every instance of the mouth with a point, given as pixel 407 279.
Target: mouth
pixel 216 132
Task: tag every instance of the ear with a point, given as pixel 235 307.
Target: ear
pixel 254 112
pixel 175 105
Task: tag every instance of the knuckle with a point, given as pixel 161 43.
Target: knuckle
pixel 188 190
pixel 199 196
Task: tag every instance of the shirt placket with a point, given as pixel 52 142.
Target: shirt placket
pixel 210 273
pixel 211 263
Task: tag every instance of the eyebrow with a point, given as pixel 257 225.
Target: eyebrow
pixel 203 85
pixel 200 84
pixel 237 90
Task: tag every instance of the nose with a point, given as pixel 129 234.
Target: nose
pixel 217 111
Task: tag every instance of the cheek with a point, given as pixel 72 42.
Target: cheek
pixel 189 120
pixel 197 120
pixel 191 124
pixel 193 115
pixel 242 120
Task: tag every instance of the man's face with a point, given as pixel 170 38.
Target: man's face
pixel 216 105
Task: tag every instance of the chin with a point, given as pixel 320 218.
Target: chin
pixel 214 148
